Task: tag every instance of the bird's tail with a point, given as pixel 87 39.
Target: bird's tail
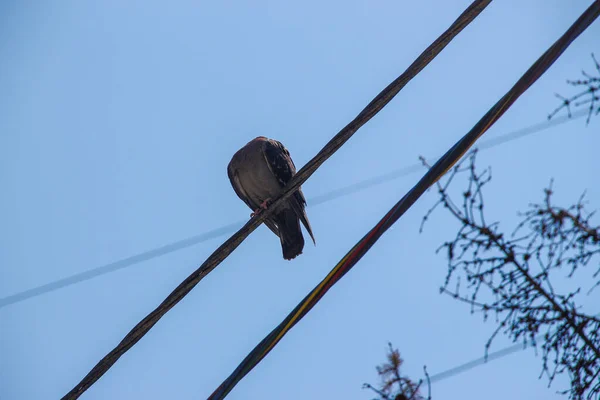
pixel 290 234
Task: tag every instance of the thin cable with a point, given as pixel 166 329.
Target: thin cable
pixel 476 363
pixel 483 360
pixel 231 244
pixel 447 161
pixel 404 171
pixel 226 229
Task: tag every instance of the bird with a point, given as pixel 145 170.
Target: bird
pixel 258 171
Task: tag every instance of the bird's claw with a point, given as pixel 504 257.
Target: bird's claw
pixel 265 203
pixel 263 206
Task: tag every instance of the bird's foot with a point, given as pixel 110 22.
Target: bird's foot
pixel 263 206
pixel 265 203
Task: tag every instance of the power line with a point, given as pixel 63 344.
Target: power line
pixel 203 237
pixel 476 363
pixel 482 360
pixel 433 174
pixel 334 144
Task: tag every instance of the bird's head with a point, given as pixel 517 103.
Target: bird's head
pixel 257 140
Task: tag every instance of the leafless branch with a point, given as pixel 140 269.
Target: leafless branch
pixel 395 386
pixel 428 380
pixel 588 96
pixel 512 276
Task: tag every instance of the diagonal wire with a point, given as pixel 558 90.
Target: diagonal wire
pixel 440 376
pixel 223 230
pixel 376 105
pixel 431 176
pixel 409 169
pixel 117 265
pixel 476 363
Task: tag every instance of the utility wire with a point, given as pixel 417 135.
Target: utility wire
pixel 476 363
pixel 226 229
pixel 404 171
pixel 447 161
pixel 223 251
pixel 482 360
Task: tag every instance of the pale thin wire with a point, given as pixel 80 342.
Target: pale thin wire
pixel 203 237
pixel 440 376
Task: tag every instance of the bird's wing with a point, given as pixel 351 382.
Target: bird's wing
pixel 279 161
pixel 271 225
pixel 298 202
pixel 282 167
pixel 239 190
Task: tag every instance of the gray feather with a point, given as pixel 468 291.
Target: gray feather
pixel 257 172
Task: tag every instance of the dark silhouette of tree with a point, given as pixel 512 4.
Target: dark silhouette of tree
pixel 514 276
pixel 395 386
pixel 588 96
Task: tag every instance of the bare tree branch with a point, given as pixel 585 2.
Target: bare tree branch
pixel 589 95
pixel 395 386
pixel 512 276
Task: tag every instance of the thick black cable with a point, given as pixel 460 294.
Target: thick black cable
pixel 446 162
pixel 223 251
pixel 226 229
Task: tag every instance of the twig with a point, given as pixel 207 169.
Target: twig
pixel 590 92
pixel 512 274
pixel 428 382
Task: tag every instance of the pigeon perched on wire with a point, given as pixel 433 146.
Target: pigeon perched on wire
pixel 258 172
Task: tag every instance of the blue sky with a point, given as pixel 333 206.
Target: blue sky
pixel 118 120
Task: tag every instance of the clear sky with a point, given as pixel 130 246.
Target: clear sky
pixel 118 119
